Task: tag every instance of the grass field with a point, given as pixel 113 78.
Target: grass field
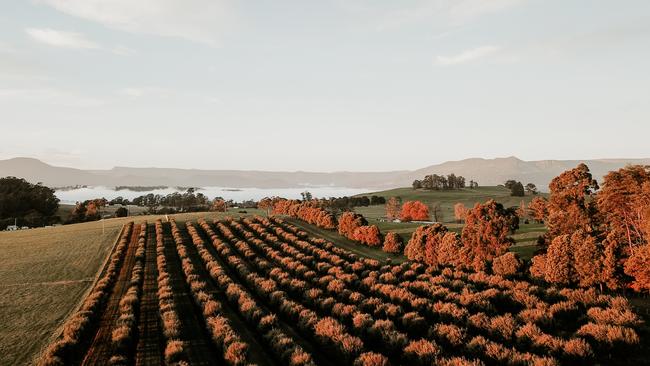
pixel 525 237
pixel 45 272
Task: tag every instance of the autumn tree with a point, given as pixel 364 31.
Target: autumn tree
pixel 350 221
pixel 558 261
pixel 570 206
pixel 425 242
pixel 486 233
pixel 507 264
pixel 574 259
pixel 218 205
pixel 538 209
pixel 393 207
pixel 414 210
pixel 368 235
pixel 638 267
pixel 624 202
pixel 266 204
pixel 393 243
pixel 460 211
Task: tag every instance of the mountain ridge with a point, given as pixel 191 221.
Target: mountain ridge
pixel 486 172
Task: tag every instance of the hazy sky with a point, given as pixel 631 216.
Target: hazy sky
pixel 322 85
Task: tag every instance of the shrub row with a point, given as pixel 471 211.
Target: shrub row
pixel 174 347
pixel 227 340
pixel 126 325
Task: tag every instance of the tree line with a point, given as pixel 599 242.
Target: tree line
pixel 441 182
pixel 26 204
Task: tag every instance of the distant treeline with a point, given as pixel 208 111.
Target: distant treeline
pixel 441 182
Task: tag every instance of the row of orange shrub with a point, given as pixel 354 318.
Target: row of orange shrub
pixel 225 338
pixel 174 346
pixel 123 335
pixel 80 326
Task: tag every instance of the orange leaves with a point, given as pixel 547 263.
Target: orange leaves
pixel 349 222
pixel 506 265
pixel 393 243
pixel 624 201
pixel 571 259
pixel 538 209
pixel 218 205
pixel 486 233
pixel 367 235
pixel 333 333
pixel 414 211
pixel 638 266
pixel 306 211
pixel 569 209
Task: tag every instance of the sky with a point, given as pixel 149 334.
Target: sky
pixel 332 85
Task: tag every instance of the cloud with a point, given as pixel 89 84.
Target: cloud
pixel 201 21
pixel 63 39
pixel 467 56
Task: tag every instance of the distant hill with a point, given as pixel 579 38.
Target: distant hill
pixel 490 172
pixel 487 172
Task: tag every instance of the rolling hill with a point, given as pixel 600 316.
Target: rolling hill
pixel 488 172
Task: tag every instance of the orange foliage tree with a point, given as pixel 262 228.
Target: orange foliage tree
pixel 624 202
pixel 570 207
pixel 638 266
pixel 460 211
pixel 218 205
pixel 393 207
pixel 486 233
pixel 575 259
pixel 538 209
pixel 414 210
pixel 433 245
pixel 393 243
pixel 349 222
pixel 506 265
pixel 368 235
